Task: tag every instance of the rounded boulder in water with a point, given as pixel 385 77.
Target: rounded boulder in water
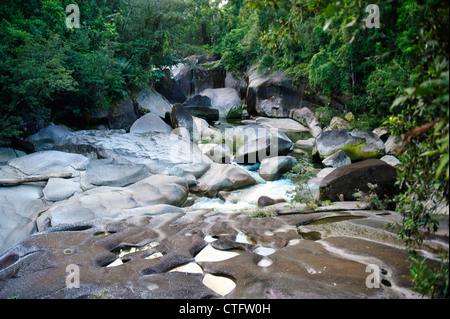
pixel 264 201
pixel 273 168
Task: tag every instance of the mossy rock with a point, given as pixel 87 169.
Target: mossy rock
pixel 358 145
pixel 359 152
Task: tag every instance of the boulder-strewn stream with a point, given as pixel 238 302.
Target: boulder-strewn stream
pixel 174 207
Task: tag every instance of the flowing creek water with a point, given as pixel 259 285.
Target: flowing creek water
pixel 247 198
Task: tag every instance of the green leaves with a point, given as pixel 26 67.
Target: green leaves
pixel 430 279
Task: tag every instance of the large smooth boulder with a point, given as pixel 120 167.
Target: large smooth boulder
pixel 150 123
pixel 50 162
pixel 151 101
pixel 338 123
pixel 45 138
pixel 111 201
pixel 391 160
pixel 337 159
pixel 252 143
pixel 219 153
pixel 58 189
pixel 199 100
pixel 162 153
pixel 181 118
pixel 307 118
pixel 223 99
pixel 168 87
pixel 197 73
pixel 293 129
pixel 273 168
pixel 109 173
pixel 209 114
pixel 374 147
pixel 223 177
pixel 7 153
pixel 393 145
pixel 271 95
pixel 239 84
pixel 238 136
pixel 38 267
pixel 282 124
pixel 200 106
pixel 142 257
pixel 122 116
pixel 19 208
pixel 205 133
pixel 348 179
pixel 358 145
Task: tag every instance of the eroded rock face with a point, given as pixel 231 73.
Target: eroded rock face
pixel 90 247
pixel 264 201
pixel 122 116
pixel 219 153
pixel 337 159
pixel 140 256
pixel 7 153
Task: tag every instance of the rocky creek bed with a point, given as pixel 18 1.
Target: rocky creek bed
pixel 138 241
pixel 185 210
pixel 170 252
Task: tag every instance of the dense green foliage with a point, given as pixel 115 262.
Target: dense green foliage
pixel 398 73
pixel 327 45
pixel 49 71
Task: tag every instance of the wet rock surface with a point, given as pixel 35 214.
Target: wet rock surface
pixel 155 253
